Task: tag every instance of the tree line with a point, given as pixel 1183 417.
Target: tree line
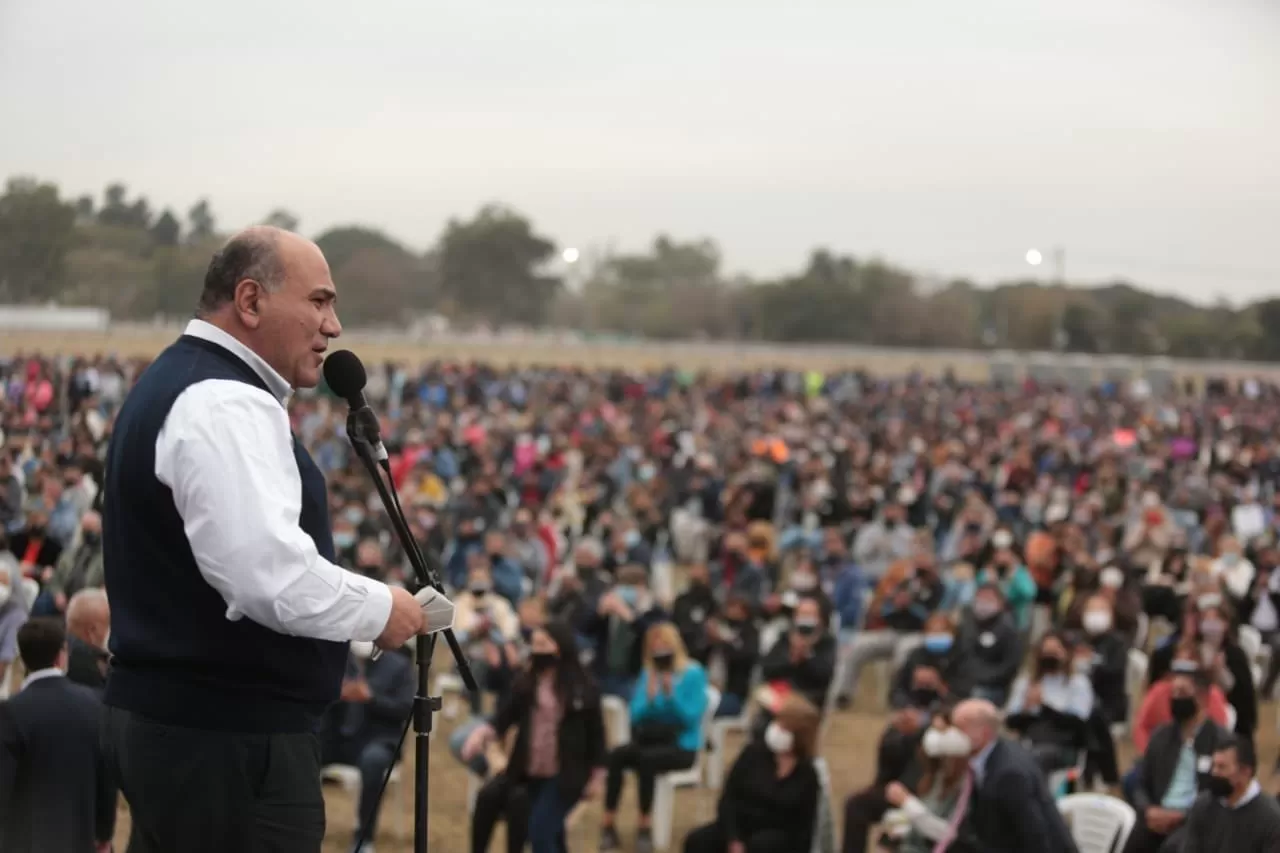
pixel 495 269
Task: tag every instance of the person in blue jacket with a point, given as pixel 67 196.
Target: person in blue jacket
pixel 668 706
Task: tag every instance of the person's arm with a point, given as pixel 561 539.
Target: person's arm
pixel 924 821
pixel 1145 721
pixel 730 809
pixel 1193 839
pixel 690 695
pixel 1142 785
pixel 776 665
pixel 641 704
pixel 61 572
pixel 226 452
pixel 1026 827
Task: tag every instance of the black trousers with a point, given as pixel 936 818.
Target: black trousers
pixel 531 808
pixel 211 792
pixel 647 762
pixel 1143 840
pixel 712 839
pixel 862 811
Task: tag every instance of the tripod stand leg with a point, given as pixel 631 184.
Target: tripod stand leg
pixel 424 707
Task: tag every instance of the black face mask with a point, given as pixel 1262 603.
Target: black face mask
pixel 479 591
pixel 90 538
pixel 542 661
pixel 806 629
pixel 495 556
pixel 923 697
pixel 664 661
pixel 1050 664
pixel 1218 786
pixel 1183 708
pixel 36 530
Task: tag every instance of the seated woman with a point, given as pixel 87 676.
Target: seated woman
pixel 770 799
pixel 1050 709
pixel 944 762
pixel 803 660
pixel 554 707
pixel 667 707
pixel 930 672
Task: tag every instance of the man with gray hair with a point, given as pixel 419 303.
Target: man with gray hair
pixel 229 616
pixel 1004 805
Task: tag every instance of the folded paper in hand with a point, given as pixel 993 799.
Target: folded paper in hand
pixel 437 609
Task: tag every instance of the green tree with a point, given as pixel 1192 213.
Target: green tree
pixel 200 222
pixel 492 268
pixel 37 229
pixel 167 231
pixel 282 219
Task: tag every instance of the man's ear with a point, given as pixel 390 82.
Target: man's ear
pixel 248 302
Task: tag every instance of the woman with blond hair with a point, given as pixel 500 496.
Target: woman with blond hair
pixel 770 800
pixel 667 708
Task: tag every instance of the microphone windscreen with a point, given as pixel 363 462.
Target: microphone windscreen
pixel 344 374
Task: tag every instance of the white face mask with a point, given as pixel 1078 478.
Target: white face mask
pixel 1111 578
pixel 778 739
pixel 1097 622
pixel 361 649
pixel 946 743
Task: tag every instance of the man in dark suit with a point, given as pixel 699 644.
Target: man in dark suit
pixel 1005 806
pixel 54 791
pixel 363 730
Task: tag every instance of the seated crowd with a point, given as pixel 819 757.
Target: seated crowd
pixel 642 563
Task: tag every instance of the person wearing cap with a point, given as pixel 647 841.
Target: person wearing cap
pixel 1175 766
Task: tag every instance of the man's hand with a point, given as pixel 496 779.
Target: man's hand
pixel 896 794
pixel 406 620
pixel 1162 821
pixel 476 741
pixel 60 601
pixel 737 847
pixel 356 691
pixel 667 683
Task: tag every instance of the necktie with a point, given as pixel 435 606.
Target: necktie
pixel 957 815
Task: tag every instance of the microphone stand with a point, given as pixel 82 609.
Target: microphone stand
pixel 362 431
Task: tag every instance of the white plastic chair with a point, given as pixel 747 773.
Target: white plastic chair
pixel 664 797
pixel 349 778
pixel 1099 824
pixel 617 720
pixel 1250 639
pixel 721 727
pixel 1232 716
pixel 831 700
pixel 449 682
pixel 1143 632
pixel 824 829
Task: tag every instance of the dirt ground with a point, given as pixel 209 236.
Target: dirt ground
pixel 850 752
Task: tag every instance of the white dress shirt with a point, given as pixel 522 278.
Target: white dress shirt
pixel 40 675
pixel 226 452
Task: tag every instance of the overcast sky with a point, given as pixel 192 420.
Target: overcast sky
pixel 1141 135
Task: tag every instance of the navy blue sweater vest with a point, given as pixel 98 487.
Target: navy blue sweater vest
pixel 176 657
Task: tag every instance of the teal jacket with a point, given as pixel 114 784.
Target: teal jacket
pixel 685 706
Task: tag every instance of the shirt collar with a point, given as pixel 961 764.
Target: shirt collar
pixel 208 332
pixel 978 764
pixel 1250 794
pixel 41 674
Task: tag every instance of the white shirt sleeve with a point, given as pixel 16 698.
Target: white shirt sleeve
pixel 226 452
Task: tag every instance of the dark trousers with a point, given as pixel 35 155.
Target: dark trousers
pixel 1102 751
pixel 647 762
pixel 210 792
pixel 862 811
pixel 373 758
pixel 1143 840
pixel 532 809
pixel 712 839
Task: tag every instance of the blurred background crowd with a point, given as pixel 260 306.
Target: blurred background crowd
pixel 760 554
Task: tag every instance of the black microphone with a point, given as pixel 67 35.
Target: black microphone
pixel 346 377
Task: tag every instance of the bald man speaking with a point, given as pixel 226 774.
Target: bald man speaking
pixel 229 619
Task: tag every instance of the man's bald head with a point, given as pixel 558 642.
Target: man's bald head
pixel 271 290
pixel 979 720
pixel 89 616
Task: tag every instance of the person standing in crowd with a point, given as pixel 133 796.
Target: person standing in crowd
pixel 55 793
pixel 770 799
pixel 1174 766
pixel 88 628
pixel 558 755
pixel 1236 816
pixel 1005 806
pixel 229 617
pixel 362 729
pixel 667 710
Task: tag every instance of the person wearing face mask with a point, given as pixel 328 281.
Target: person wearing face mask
pixel 1236 816
pixel 557 755
pixel 667 708
pixel 1007 570
pixel 1156 709
pixel 362 729
pixel 1104 658
pixel 1232 568
pixel 802 660
pixel 693 610
pixel 771 795
pixel 1051 708
pixel 37 552
pixel 944 763
pixel 622 616
pixel 79 566
pixel 1210 627
pixel 736 639
pixel 930 672
pixel 1174 767
pixel 988 646
pixel 487 627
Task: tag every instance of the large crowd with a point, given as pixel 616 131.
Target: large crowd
pixel 690 553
